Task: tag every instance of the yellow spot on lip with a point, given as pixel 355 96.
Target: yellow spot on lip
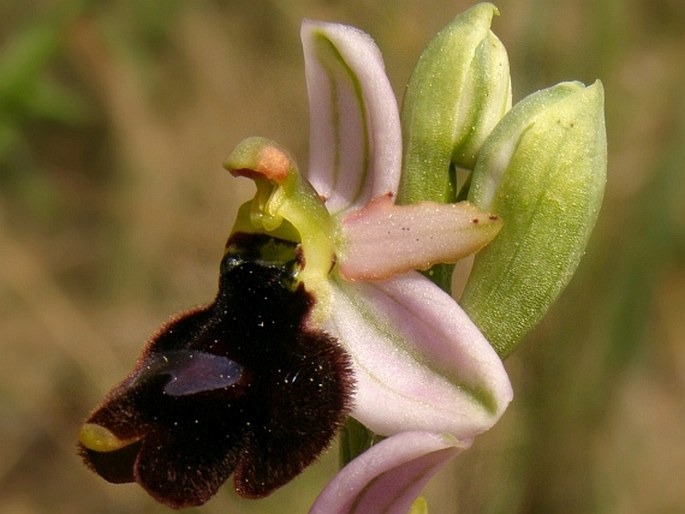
pixel 99 439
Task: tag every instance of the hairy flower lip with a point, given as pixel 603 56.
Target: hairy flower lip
pixel 262 420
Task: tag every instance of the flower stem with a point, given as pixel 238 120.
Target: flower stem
pixel 355 439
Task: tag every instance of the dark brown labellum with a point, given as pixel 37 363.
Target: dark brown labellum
pixel 244 386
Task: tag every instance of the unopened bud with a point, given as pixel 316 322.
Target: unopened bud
pixel 542 170
pixel 458 92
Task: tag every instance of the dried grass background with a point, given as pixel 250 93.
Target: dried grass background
pixel 115 118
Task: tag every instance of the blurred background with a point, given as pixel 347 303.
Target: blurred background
pixel 115 118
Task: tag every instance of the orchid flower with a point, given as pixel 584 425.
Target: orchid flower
pixel 335 257
pixel 321 313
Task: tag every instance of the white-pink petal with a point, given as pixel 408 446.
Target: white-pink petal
pixel 383 239
pixel 355 137
pixel 420 362
pixel 389 476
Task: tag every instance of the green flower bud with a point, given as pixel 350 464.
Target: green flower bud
pixel 458 91
pixel 542 170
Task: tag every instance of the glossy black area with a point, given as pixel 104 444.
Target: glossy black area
pixel 189 371
pixel 243 386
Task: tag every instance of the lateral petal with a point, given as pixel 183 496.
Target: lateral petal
pixel 383 239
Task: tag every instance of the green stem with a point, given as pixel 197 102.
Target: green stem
pixel 355 439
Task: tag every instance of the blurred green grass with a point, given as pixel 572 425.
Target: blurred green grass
pixel 115 118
